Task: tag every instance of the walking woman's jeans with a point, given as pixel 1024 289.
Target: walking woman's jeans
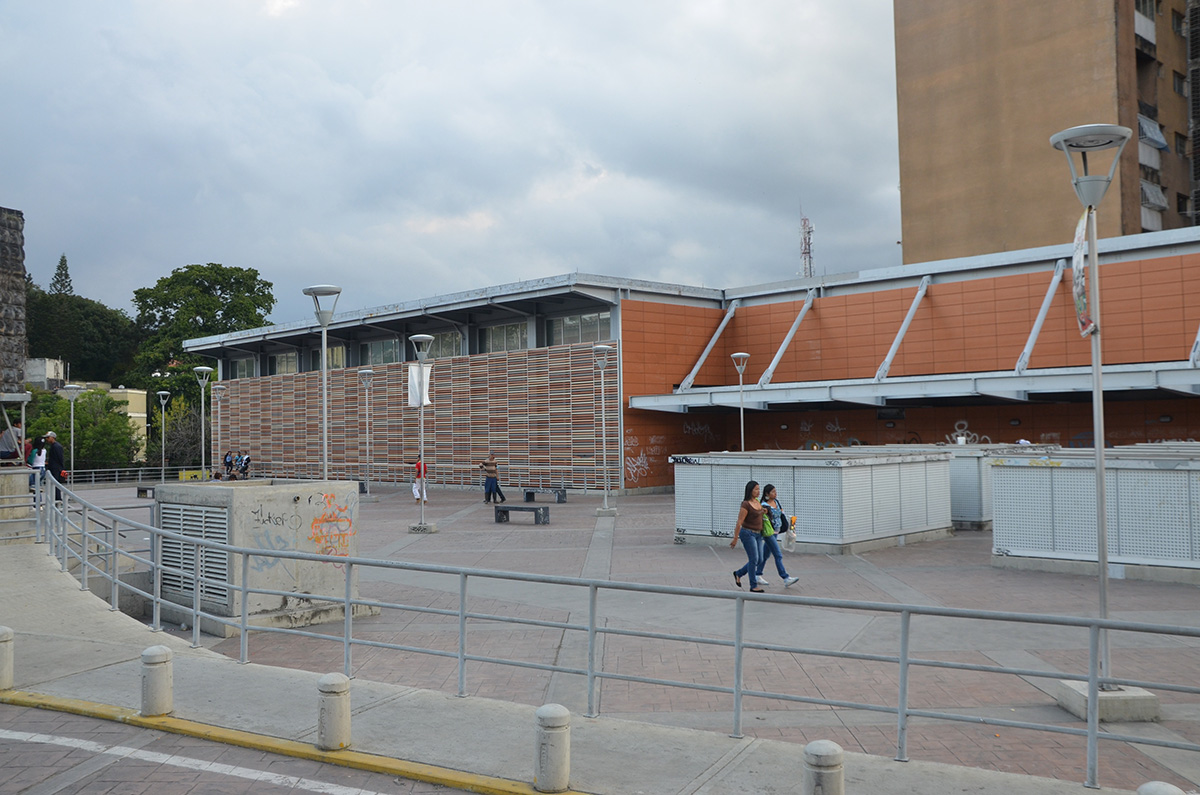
pixel 770 546
pixel 749 541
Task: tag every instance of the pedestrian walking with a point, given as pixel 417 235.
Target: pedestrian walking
pixel 419 491
pixel 775 524
pixel 749 529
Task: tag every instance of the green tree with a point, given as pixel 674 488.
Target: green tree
pixel 61 283
pixel 99 343
pixel 183 434
pixel 196 301
pixel 104 434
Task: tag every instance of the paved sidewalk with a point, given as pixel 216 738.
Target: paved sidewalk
pixel 70 647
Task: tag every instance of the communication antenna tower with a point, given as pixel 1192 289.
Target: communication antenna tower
pixel 806 232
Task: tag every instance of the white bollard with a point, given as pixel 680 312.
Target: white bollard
pixel 552 767
pixel 1159 788
pixel 6 658
pixel 822 768
pixel 333 717
pixel 158 683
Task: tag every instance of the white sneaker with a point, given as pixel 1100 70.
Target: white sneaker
pixel 762 580
pixel 790 581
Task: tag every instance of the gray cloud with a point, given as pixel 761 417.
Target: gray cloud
pixel 403 149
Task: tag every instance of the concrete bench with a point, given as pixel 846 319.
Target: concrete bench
pixel 560 494
pixel 145 492
pixel 541 513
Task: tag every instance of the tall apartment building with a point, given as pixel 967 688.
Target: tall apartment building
pixel 982 86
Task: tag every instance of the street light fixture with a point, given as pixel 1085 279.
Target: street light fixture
pixel 1090 188
pixel 72 391
pixel 366 378
pixel 324 316
pixel 163 395
pixel 218 396
pixel 601 353
pixel 202 374
pixel 739 361
pixel 421 342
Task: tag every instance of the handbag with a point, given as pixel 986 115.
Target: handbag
pixel 768 529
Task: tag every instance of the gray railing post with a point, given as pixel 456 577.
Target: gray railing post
pixel 83 548
pixel 738 627
pixel 348 619
pixel 552 762
pixel 902 695
pixel 462 635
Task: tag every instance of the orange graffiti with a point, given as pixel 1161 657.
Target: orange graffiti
pixel 332 529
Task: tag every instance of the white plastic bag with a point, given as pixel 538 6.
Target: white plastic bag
pixel 789 540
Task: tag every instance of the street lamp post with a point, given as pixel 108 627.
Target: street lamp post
pixel 163 395
pixel 202 374
pixel 601 353
pixel 72 391
pixel 317 292
pixel 218 396
pixel 366 377
pixel 739 361
pixel 1090 188
pixel 421 342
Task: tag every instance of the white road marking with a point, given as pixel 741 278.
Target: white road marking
pixel 125 752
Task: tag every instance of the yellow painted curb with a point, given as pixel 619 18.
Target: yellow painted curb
pixel 458 779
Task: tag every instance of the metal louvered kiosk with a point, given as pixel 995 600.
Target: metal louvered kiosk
pixel 843 501
pixel 316 517
pixel 1045 518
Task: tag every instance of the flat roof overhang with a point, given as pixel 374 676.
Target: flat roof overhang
pixel 1162 379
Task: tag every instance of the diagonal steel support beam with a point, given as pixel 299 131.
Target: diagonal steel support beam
pixel 1195 356
pixel 1023 359
pixel 691 377
pixel 787 340
pixel 886 364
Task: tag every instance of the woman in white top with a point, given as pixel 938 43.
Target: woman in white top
pixel 37 459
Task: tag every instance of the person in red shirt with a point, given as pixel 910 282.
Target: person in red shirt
pixel 419 492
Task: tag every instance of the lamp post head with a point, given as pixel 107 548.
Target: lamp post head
pixel 218 392
pixel 72 391
pixel 365 377
pixel 1087 138
pixel 421 342
pixel 319 291
pixel 739 361
pixel 601 353
pixel 202 373
pixel 162 397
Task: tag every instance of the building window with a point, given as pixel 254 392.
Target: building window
pixel 1144 7
pixel 283 363
pixel 379 352
pixel 588 327
pixel 337 357
pixel 509 337
pixel 1153 197
pixel 1183 204
pixel 1179 23
pixel 445 345
pixel 1181 145
pixel 1180 82
pixel 241 368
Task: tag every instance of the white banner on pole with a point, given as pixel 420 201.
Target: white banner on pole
pixel 1079 277
pixel 414 388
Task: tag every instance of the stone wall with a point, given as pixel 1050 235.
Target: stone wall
pixel 12 301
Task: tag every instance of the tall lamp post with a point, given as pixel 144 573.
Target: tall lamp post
pixel 739 361
pixel 366 377
pixel 202 374
pixel 72 391
pixel 163 395
pixel 317 292
pixel 421 342
pixel 1090 188
pixel 218 396
pixel 601 353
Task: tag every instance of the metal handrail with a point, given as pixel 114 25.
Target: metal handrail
pixel 69 539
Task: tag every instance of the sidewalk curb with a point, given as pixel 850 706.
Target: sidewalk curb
pixel 416 771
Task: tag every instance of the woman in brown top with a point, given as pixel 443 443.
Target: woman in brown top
pixel 749 529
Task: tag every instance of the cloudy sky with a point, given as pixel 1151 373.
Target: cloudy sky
pixel 406 149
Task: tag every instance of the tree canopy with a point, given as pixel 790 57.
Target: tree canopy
pixel 105 436
pixel 61 283
pixel 98 342
pixel 197 301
